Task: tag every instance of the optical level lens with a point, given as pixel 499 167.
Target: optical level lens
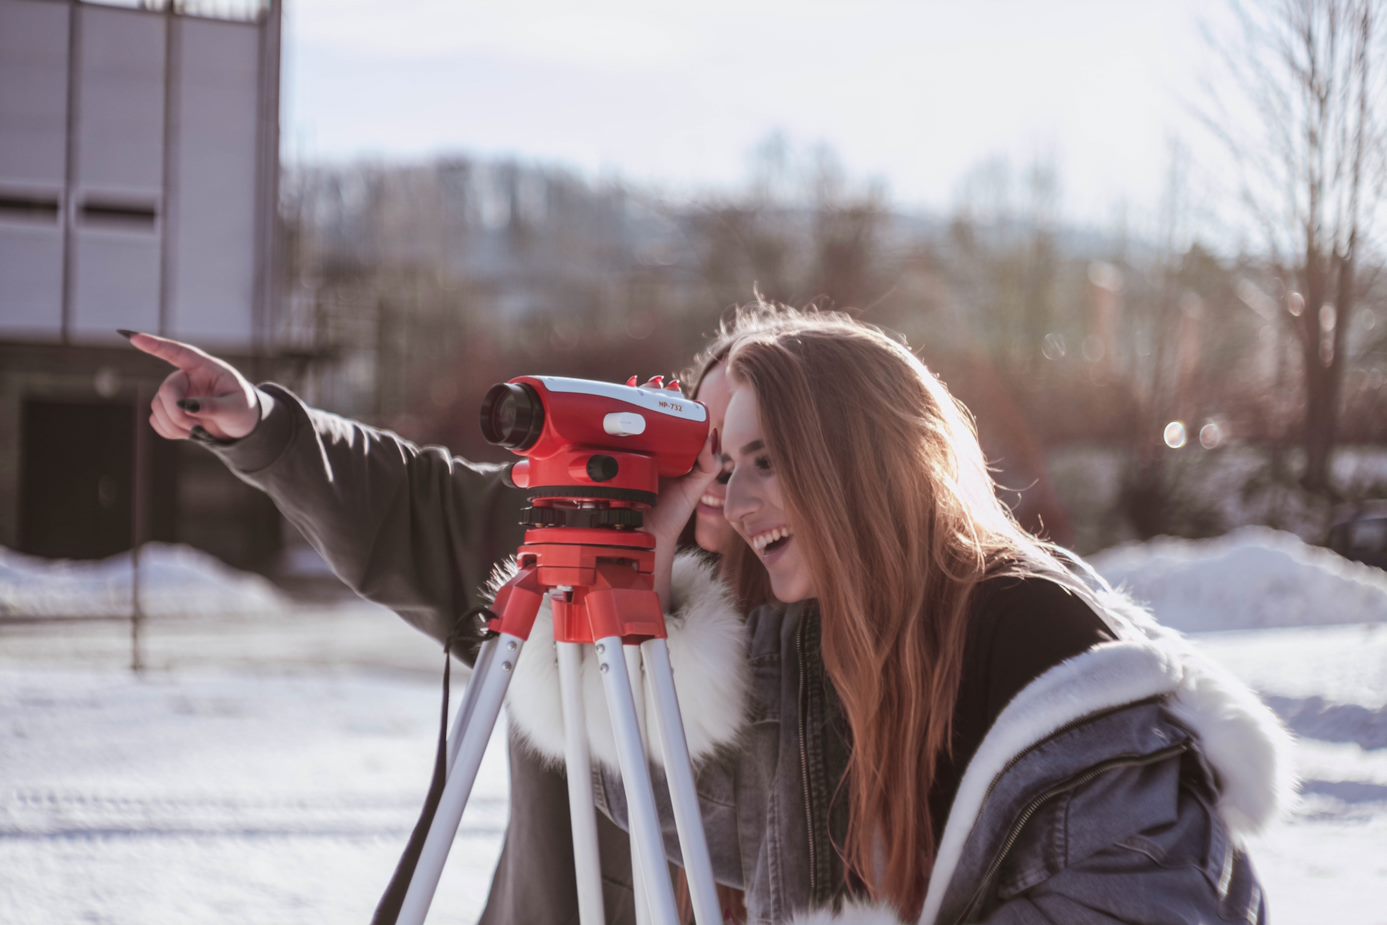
pixel 512 416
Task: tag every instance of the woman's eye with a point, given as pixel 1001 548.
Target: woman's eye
pixel 763 463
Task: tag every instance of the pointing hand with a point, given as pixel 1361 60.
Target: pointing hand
pixel 202 391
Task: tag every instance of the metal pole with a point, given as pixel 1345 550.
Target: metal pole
pixel 138 528
pixel 668 725
pixel 481 668
pixel 643 816
pixel 74 74
pixel 267 279
pixel 644 910
pixel 578 769
pixel 489 696
pixel 168 169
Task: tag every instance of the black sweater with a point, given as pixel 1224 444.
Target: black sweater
pixel 1018 629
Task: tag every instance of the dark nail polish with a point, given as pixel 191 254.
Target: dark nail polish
pixel 199 434
pixel 126 334
pixel 190 405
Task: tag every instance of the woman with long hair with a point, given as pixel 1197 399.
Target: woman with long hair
pixel 942 718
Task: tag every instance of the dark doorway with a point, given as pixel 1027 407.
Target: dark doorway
pixel 77 480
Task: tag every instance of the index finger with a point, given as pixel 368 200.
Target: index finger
pixel 710 459
pixel 184 356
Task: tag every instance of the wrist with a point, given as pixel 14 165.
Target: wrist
pixel 264 406
pixel 267 441
pixel 663 575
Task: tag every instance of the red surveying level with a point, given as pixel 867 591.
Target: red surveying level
pixel 594 456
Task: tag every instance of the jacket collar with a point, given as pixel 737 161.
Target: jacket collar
pixel 1242 740
pixel 1239 737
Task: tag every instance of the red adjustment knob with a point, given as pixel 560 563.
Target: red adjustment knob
pixel 674 386
pixel 633 382
pixel 519 474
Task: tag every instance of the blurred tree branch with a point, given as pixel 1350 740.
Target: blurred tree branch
pixel 1311 176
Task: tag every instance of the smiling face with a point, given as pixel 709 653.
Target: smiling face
pixel 711 529
pixel 755 505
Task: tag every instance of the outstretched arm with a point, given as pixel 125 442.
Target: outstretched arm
pixel 413 528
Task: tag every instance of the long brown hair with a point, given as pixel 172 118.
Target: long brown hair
pixel 887 488
pixel 751 586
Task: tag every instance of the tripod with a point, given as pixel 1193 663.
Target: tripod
pixel 599 580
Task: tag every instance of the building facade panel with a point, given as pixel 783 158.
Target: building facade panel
pixel 213 210
pixel 31 274
pixel 120 104
pixel 115 283
pixel 33 96
pixel 33 113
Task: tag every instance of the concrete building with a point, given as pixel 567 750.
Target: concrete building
pixel 138 176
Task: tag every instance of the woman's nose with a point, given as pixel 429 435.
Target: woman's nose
pixel 740 499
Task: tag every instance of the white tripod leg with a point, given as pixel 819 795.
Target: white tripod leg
pixel 644 819
pixel 489 690
pixel 668 725
pixel 633 668
pixel 481 667
pixel 582 814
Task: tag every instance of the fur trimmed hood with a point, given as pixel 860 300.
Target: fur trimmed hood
pixel 1242 740
pixel 707 652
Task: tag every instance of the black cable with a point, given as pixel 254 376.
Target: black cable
pixel 388 909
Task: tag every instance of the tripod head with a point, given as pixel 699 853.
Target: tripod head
pixel 594 453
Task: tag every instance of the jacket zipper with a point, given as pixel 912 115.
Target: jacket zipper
pixel 1072 724
pixel 804 764
pixel 1034 805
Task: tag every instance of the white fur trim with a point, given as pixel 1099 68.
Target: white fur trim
pixel 1242 739
pixel 852 913
pixel 707 653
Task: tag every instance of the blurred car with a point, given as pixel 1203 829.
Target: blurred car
pixel 1360 534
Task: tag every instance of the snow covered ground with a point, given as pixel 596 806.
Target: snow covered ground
pixel 251 776
pixel 267 768
pixel 174 581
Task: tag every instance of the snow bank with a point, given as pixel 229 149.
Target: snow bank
pixel 1250 578
pixel 174 581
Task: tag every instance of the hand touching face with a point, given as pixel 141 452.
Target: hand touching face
pixel 711 529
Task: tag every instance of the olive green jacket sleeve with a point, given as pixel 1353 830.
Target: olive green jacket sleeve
pixel 413 528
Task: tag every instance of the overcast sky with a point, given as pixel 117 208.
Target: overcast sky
pixel 912 94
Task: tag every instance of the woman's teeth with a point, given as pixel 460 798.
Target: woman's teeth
pixel 710 500
pixel 760 541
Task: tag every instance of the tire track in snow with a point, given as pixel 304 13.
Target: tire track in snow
pixel 42 814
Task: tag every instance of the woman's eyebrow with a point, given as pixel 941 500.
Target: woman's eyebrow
pixel 752 447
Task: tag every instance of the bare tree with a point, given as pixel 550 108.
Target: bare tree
pixel 800 232
pixel 1310 167
pixel 1005 238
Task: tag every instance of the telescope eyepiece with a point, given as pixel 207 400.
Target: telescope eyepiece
pixel 512 416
